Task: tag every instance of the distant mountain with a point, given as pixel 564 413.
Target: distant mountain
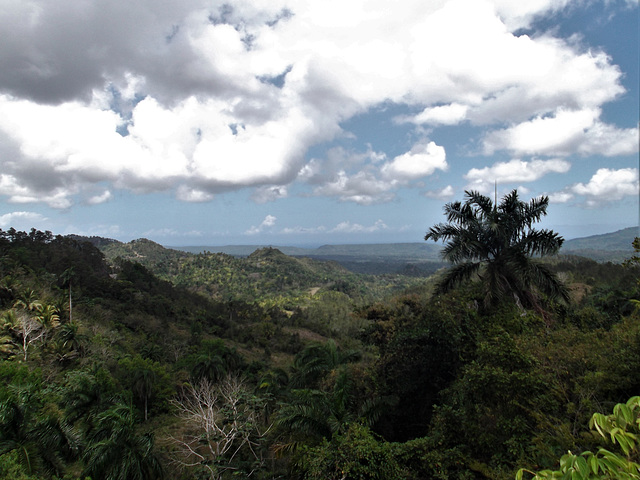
pixel 242 250
pixel 142 250
pixel 416 251
pixel 406 258
pixel 609 247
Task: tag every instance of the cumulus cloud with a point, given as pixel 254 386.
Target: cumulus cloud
pixel 363 188
pixel 269 193
pixel 171 232
pixel 200 99
pixel 513 171
pixel 422 160
pixel 440 115
pixel 345 227
pixel 268 222
pixel 194 195
pixel 441 194
pixel 348 227
pixel 101 198
pixel 564 133
pixel 608 185
pixel 560 197
pixel 605 186
pixel 21 220
pixel 368 178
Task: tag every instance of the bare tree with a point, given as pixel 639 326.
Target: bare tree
pixel 29 330
pixel 223 428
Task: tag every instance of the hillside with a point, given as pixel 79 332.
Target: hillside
pixel 265 275
pixel 425 257
pixel 609 247
pixel 402 386
pixel 407 251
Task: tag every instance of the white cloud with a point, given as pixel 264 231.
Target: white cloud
pixel 442 194
pixel 605 186
pixel 348 227
pixel 451 114
pixel 102 198
pixel 345 227
pixel 21 220
pixel 194 195
pixel 269 194
pixel 171 232
pixel 366 178
pixel 564 133
pixel 422 160
pixel 268 222
pixel 608 185
pixel 513 171
pixel 303 230
pixel 363 188
pixel 560 197
pixel 203 99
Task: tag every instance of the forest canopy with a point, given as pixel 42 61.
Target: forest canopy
pixel 109 371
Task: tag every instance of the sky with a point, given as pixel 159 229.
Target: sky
pixel 307 122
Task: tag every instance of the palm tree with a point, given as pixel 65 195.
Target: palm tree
pixel 144 380
pixel 42 441
pixel 28 300
pixel 67 278
pixel 71 337
pixel 317 360
pixel 48 318
pixel 314 414
pixel 116 451
pixel 497 243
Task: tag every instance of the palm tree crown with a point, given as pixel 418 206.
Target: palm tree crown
pixel 497 243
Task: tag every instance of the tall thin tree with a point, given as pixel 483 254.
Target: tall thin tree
pixel 497 244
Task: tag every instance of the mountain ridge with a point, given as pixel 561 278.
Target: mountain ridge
pixel 614 246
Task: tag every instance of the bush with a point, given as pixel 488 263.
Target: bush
pixel 357 454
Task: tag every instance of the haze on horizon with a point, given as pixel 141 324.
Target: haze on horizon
pixel 313 122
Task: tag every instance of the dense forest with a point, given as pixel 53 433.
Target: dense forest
pixel 136 362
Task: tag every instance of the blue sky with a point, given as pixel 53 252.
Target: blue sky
pixel 313 121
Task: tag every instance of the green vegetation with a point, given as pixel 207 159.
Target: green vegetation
pixel 622 428
pixel 192 366
pixel 496 243
pixel 610 247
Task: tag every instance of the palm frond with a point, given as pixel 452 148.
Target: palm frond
pixel 457 275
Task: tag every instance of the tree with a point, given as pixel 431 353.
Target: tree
pixel 116 451
pixel 497 243
pixel 622 428
pixel 67 278
pixel 28 300
pixel 356 453
pixel 41 440
pixel 27 328
pixel 147 380
pixel 314 415
pixel 223 429
pixel 48 318
pixel 317 360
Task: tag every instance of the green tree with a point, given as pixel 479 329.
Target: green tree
pixel 317 360
pixel 622 427
pixel 314 415
pixel 41 440
pixel 497 243
pixel 147 380
pixel 355 454
pixel 86 394
pixel 48 318
pixel 28 300
pixel 117 451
